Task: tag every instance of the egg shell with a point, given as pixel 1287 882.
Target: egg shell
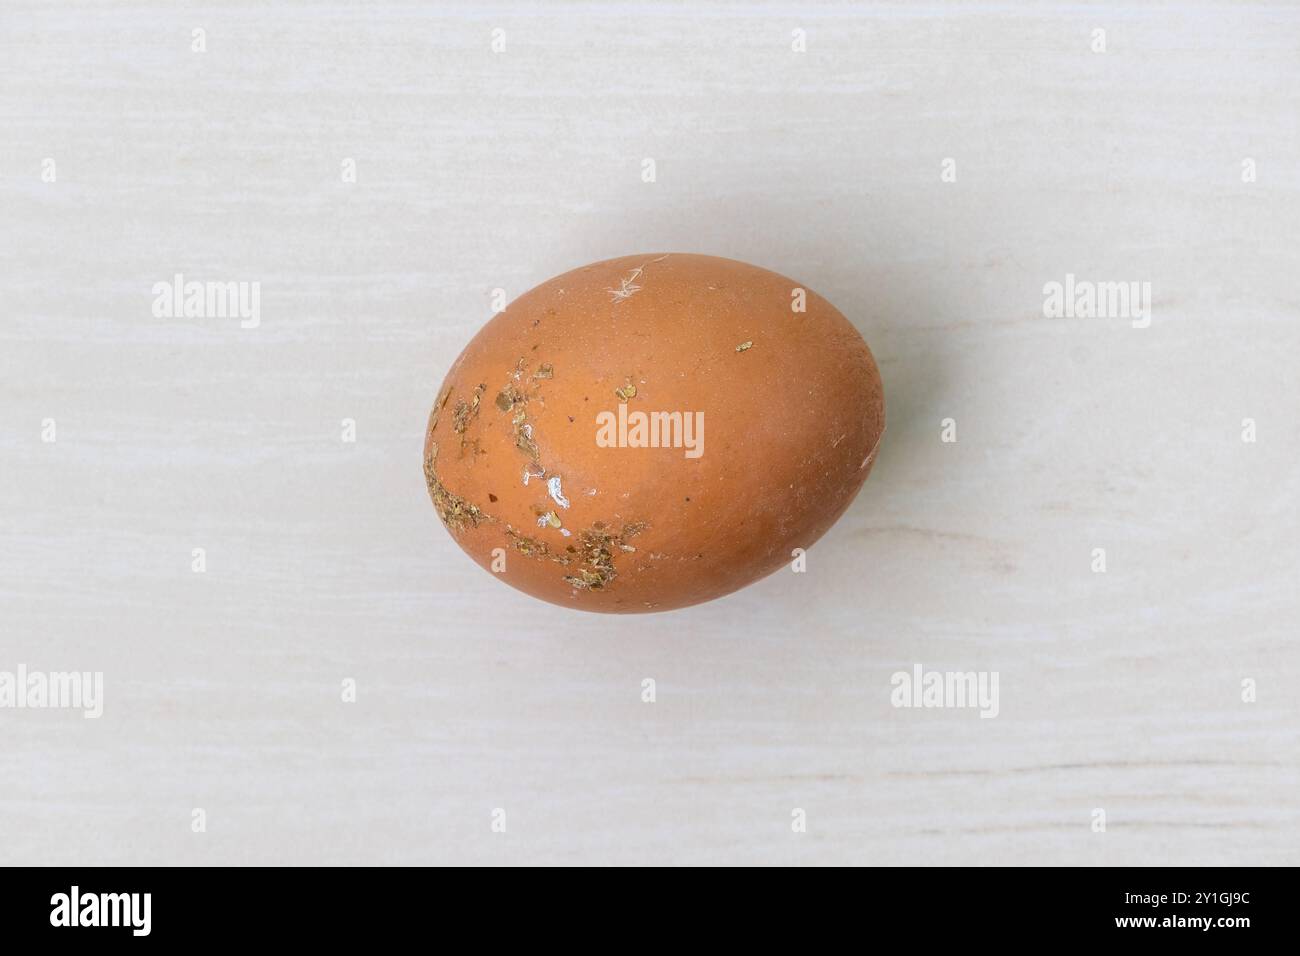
pixel 518 456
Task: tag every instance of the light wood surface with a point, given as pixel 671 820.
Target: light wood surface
pixel 478 170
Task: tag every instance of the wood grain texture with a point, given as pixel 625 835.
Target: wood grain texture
pixel 479 170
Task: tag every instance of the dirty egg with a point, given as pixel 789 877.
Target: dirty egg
pixel 653 431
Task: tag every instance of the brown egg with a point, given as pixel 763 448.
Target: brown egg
pixel 654 431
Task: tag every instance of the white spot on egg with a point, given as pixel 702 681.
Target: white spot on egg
pixel 553 486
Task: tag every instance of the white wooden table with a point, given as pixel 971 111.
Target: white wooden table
pixel 477 170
